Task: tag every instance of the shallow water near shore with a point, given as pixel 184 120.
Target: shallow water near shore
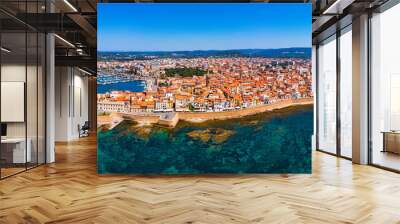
pixel 277 141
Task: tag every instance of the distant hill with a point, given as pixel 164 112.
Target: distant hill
pixel 274 53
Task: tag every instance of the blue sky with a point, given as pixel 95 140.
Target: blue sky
pixel 173 27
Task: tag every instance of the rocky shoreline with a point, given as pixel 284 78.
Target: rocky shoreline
pixel 171 119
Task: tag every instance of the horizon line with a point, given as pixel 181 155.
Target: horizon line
pixel 141 51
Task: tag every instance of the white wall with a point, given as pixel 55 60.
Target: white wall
pixel 33 126
pixel 80 110
pixel 71 102
pixel 12 73
pixel 61 103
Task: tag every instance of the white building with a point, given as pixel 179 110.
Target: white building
pixel 113 106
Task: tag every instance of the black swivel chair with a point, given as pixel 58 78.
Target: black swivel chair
pixel 84 130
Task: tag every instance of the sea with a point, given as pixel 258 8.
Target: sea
pixel 277 141
pixel 133 86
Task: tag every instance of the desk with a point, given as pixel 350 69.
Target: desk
pixel 391 141
pixel 16 147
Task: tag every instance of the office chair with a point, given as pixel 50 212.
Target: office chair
pixel 84 130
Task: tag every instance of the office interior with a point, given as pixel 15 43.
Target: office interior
pixel 48 107
pixel 357 83
pixel 47 79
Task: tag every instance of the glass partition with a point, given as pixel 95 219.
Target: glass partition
pixel 13 92
pixel 346 92
pixel 327 95
pixel 385 89
pixel 31 98
pixel 22 88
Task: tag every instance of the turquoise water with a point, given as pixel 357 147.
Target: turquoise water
pixel 272 142
pixel 133 86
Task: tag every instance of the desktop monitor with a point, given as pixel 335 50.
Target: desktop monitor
pixel 3 130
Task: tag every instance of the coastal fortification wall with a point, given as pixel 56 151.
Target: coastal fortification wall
pixel 204 116
pixel 143 120
pixel 171 119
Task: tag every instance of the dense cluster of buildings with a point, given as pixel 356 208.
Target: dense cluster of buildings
pixel 229 84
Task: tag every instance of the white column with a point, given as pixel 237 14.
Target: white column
pixel 50 100
pixel 360 90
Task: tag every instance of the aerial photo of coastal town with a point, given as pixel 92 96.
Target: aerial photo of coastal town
pixel 165 86
pixel 187 111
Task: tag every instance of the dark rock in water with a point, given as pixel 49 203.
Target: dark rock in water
pixel 218 135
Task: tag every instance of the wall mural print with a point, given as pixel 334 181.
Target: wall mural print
pixel 204 88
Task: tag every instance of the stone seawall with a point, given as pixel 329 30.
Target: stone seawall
pixel 170 119
pixel 204 116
